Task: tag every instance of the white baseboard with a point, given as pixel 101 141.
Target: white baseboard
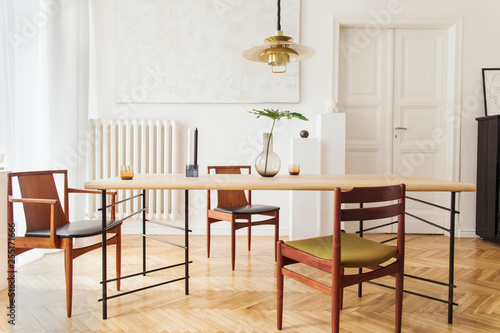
pixel 467 234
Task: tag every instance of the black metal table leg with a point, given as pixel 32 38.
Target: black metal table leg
pixel 104 263
pixel 143 272
pixel 144 232
pixel 451 267
pixel 451 264
pixel 186 240
pixel 360 270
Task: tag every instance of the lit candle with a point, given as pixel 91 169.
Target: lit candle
pixel 189 146
pixel 196 146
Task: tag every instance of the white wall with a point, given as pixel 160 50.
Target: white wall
pixel 230 135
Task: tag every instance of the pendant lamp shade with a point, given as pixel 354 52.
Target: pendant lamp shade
pixel 278 50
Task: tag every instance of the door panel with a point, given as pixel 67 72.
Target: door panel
pixel 419 66
pixel 363 124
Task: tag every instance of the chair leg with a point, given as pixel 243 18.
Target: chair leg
pixel 276 235
pixel 233 242
pixel 118 256
pixel 68 269
pixel 208 238
pixel 360 285
pixel 341 292
pixel 279 289
pixel 249 234
pixel 336 292
pixel 399 301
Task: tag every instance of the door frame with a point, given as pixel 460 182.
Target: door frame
pixel 454 75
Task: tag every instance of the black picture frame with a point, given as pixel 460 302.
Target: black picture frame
pixel 491 91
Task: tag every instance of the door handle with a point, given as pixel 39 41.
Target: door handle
pixel 401 128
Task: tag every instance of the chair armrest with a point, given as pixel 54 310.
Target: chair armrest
pixel 76 190
pixel 52 203
pixel 33 200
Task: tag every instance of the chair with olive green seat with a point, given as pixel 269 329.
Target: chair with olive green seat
pixel 333 254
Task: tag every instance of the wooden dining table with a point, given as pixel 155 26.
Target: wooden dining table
pixel 282 182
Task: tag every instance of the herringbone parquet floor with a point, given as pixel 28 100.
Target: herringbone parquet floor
pixel 244 300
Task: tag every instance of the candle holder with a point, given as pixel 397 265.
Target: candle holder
pixel 294 169
pixel 127 172
pixel 191 170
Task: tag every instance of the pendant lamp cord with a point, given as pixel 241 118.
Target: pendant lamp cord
pixel 279 15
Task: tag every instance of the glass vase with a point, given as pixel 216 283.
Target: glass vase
pixel 267 163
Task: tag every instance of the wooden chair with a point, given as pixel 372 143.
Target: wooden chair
pixel 47 224
pixel 233 205
pixel 325 253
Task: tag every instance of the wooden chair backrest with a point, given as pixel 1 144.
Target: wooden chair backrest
pixel 384 195
pixel 231 198
pixel 373 195
pixel 41 185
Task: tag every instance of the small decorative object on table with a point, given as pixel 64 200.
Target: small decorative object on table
pixel 127 172
pixel 192 168
pixel 294 169
pixel 268 164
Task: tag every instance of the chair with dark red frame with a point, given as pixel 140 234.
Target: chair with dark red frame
pixel 48 226
pixel 333 254
pixel 233 205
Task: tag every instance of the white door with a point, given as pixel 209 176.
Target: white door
pixel 393 90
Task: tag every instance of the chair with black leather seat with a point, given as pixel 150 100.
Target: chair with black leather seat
pixel 333 254
pixel 48 226
pixel 234 205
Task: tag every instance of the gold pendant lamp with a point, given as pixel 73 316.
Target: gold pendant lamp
pixel 279 50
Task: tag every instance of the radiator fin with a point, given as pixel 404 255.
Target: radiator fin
pixel 151 146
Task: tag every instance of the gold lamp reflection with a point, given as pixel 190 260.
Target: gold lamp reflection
pixel 279 50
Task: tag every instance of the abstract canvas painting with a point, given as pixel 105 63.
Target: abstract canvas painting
pixel 190 51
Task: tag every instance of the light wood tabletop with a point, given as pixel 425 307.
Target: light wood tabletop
pixel 280 182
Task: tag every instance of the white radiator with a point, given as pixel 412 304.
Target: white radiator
pixel 150 146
